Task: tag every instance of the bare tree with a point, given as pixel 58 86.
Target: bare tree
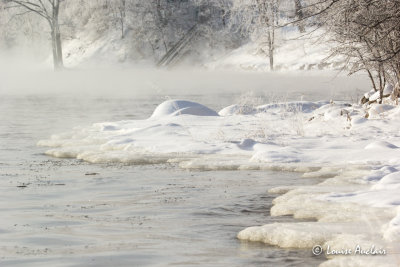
pixel 48 10
pixel 260 18
pixel 268 10
pixel 365 32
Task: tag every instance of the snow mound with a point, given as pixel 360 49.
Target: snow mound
pixel 236 109
pixel 380 145
pixel 358 120
pixel 295 106
pixel 181 107
pixel 390 181
pixel 376 110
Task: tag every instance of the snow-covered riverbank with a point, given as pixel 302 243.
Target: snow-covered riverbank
pixel 359 155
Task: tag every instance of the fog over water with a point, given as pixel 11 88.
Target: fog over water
pixel 26 77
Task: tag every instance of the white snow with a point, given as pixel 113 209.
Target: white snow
pixel 375 96
pixel 358 155
pixel 380 144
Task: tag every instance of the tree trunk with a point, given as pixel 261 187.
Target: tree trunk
pixel 54 48
pixel 299 15
pixel 122 12
pixel 271 46
pixel 59 51
pixel 271 33
pixel 56 40
pixel 271 62
pixel 271 59
pixel 160 16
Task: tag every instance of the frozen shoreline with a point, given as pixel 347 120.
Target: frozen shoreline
pixel 356 205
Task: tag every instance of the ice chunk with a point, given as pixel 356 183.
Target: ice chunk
pixel 296 235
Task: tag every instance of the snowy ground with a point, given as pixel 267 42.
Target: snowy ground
pixel 293 52
pixel 292 55
pixel 358 203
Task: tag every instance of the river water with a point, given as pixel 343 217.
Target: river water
pixel 65 212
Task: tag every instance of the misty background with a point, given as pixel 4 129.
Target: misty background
pixel 115 47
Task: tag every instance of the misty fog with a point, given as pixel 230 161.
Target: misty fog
pixel 24 77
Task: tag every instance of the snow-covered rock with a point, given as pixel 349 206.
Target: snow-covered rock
pixel 377 109
pixel 372 96
pixel 181 107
